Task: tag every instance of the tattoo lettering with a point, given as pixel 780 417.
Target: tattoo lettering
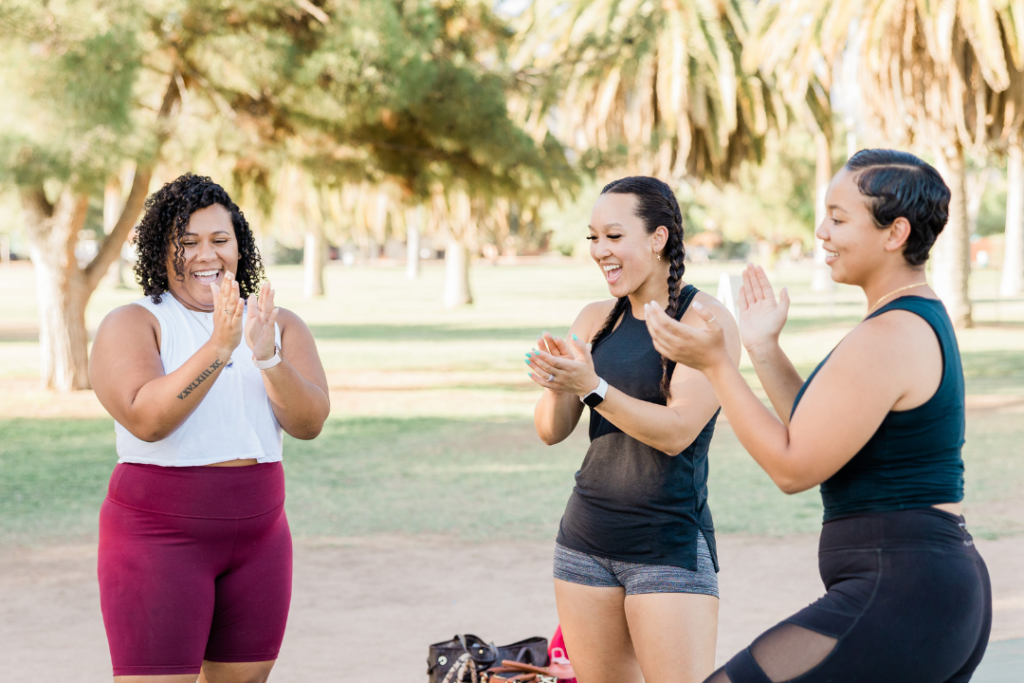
pixel 200 379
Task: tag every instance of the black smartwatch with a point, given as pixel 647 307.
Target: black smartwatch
pixel 594 398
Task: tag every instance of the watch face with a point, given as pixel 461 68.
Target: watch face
pixel 593 400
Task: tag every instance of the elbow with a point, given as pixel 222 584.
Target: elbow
pixel 791 485
pixel 311 426
pixel 675 446
pixel 148 434
pixel 549 439
pixel 308 431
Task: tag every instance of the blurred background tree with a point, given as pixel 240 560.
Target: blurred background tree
pixel 942 77
pixel 408 92
pixel 370 123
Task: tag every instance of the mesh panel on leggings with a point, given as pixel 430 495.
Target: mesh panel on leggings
pixel 719 677
pixel 788 651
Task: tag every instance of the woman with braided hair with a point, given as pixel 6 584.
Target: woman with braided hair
pixel 635 561
pixel 201 376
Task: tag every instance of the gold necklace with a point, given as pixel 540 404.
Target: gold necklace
pixel 895 291
pixel 201 324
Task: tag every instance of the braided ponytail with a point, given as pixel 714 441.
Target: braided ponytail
pixel 656 204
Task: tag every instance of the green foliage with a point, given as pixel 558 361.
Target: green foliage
pixel 71 76
pixel 773 201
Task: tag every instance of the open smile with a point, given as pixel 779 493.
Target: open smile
pixel 207 277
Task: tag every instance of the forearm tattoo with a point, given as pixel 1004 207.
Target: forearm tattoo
pixel 200 379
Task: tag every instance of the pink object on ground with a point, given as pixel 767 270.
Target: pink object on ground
pixel 560 665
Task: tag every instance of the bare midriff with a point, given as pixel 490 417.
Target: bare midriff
pixel 243 463
pixel 951 508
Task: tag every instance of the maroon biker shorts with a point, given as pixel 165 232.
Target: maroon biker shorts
pixel 194 563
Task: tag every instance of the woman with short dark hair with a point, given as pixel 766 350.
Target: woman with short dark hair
pixel 879 425
pixel 635 562
pixel 200 376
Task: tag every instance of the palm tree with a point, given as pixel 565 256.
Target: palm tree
pixel 656 88
pixel 803 77
pixel 946 77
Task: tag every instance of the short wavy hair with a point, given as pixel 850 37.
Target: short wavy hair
pixel 899 184
pixel 168 211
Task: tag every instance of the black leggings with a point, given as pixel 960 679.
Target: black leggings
pixel 908 599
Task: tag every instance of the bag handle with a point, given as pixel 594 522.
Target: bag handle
pixel 486 660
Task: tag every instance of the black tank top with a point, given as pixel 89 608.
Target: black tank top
pixel 913 460
pixel 632 502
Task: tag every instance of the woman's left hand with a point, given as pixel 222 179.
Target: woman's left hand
pixel 698 348
pixel 574 375
pixel 259 324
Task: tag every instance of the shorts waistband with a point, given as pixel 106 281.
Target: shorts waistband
pixel 199 492
pixel 918 528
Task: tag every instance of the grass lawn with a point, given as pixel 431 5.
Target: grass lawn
pixel 431 429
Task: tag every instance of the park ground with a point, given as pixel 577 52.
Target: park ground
pixel 428 506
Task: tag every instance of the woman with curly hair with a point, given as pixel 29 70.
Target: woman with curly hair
pixel 635 564
pixel 200 376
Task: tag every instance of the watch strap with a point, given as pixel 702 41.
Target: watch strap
pixel 595 397
pixel 270 362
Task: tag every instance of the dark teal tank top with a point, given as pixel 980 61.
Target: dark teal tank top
pixel 914 459
pixel 632 502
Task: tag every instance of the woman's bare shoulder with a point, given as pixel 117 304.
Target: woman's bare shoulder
pixel 129 318
pixel 592 317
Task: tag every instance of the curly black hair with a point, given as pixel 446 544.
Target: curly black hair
pixel 899 184
pixel 168 211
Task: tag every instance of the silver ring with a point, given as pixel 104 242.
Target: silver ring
pixel 551 378
pixel 711 318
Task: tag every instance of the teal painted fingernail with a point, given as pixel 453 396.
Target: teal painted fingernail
pixel 575 337
pixel 527 362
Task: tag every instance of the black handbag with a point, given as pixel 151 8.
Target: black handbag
pixel 473 655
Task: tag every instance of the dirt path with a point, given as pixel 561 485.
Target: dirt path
pixel 366 609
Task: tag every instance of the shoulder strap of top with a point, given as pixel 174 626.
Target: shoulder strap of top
pixel 685 299
pixel 934 313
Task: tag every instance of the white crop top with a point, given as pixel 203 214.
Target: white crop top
pixel 234 421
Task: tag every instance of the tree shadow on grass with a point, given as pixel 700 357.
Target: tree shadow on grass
pixel 1003 365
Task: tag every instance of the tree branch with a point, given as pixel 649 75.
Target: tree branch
pixel 34 201
pixel 110 248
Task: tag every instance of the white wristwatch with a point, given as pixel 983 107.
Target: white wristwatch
pixel 270 362
pixel 594 398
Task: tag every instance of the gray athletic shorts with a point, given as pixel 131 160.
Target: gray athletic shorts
pixel 589 570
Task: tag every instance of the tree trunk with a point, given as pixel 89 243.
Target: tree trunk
pixel 412 242
pixel 111 212
pixel 456 283
pixel 822 279
pixel 313 258
pixel 951 255
pixel 1013 248
pixel 62 289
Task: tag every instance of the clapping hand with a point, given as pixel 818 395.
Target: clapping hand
pixel 761 316
pixel 227 316
pixel 565 367
pixel 696 347
pixel 259 325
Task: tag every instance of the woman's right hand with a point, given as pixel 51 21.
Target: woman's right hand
pixel 228 310
pixel 552 345
pixel 761 317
